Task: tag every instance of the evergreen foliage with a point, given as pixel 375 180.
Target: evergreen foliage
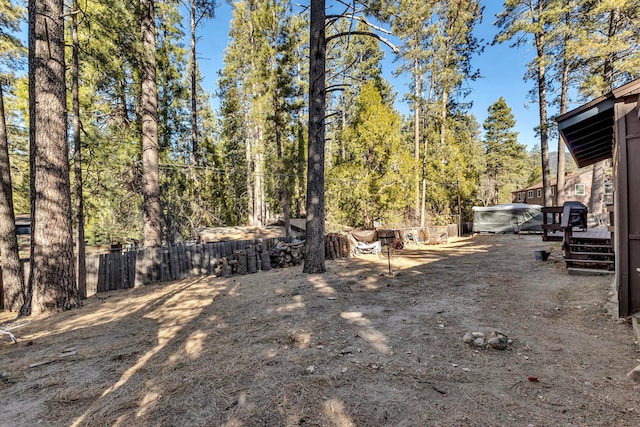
pixel 369 183
pixel 247 163
pixel 505 158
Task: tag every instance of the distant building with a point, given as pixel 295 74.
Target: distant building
pixel 577 187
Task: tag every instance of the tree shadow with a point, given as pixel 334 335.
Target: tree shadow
pixel 275 348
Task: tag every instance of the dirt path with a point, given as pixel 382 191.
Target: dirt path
pixel 352 347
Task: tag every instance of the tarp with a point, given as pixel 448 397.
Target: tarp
pixel 512 218
pixel 367 236
pixel 367 248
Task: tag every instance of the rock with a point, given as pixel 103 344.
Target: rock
pixel 498 342
pixel 468 338
pixel 479 342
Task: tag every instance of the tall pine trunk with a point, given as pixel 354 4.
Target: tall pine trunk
pixel 149 107
pixel 258 179
pixel 564 100
pixel 284 196
pixel 416 132
pixel 52 284
pixel 423 203
pixel 314 248
pixel 248 148
pixel 194 87
pixel 12 275
pixel 81 269
pixel 539 39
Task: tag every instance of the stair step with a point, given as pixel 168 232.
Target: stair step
pixel 589 261
pixel 581 241
pixel 579 245
pixel 605 254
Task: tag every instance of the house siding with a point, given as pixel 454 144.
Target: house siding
pixel 582 179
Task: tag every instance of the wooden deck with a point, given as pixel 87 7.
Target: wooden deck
pixel 598 233
pixel 586 249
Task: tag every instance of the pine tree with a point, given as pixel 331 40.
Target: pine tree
pixel 504 155
pixel 198 10
pixel 409 24
pixel 243 77
pixel 566 36
pixel 369 184
pixel 608 45
pixel 110 92
pixel 52 284
pixel 80 265
pixel 611 57
pixel 12 276
pixel 314 248
pixel 531 17
pixel 149 116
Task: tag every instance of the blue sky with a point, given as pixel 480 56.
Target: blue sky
pixel 502 69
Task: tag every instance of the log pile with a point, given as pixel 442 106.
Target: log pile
pixel 254 258
pixel 225 267
pixel 249 260
pixel 287 254
pixel 336 246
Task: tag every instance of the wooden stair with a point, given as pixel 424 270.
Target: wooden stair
pixel 589 253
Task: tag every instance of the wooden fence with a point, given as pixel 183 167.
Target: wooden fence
pixel 123 270
pixel 126 269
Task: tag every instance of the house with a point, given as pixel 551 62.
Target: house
pixel 608 127
pixel 577 188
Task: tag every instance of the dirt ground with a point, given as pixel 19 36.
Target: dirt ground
pixel 352 347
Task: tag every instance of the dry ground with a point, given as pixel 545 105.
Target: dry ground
pixel 352 347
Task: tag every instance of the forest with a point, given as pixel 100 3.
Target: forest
pixel 107 135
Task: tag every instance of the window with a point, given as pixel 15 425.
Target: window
pixel 539 192
pixel 579 190
pixel 553 191
pixel 530 194
pixel 520 197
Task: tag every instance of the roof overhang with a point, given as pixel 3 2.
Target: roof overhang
pixel 588 131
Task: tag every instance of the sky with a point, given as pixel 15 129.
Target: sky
pixel 502 69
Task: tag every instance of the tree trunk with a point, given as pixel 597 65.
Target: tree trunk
pixel 258 179
pixel 81 269
pixel 12 275
pixel 597 176
pixel 423 212
pixel 607 70
pixel 314 248
pixel 284 197
pixel 416 131
pixel 248 149
pixel 542 107
pixel 52 284
pixel 194 86
pixel 149 106
pixel 443 117
pixel 597 188
pixel 301 156
pixel 564 98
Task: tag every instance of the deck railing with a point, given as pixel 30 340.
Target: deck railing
pixel 552 224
